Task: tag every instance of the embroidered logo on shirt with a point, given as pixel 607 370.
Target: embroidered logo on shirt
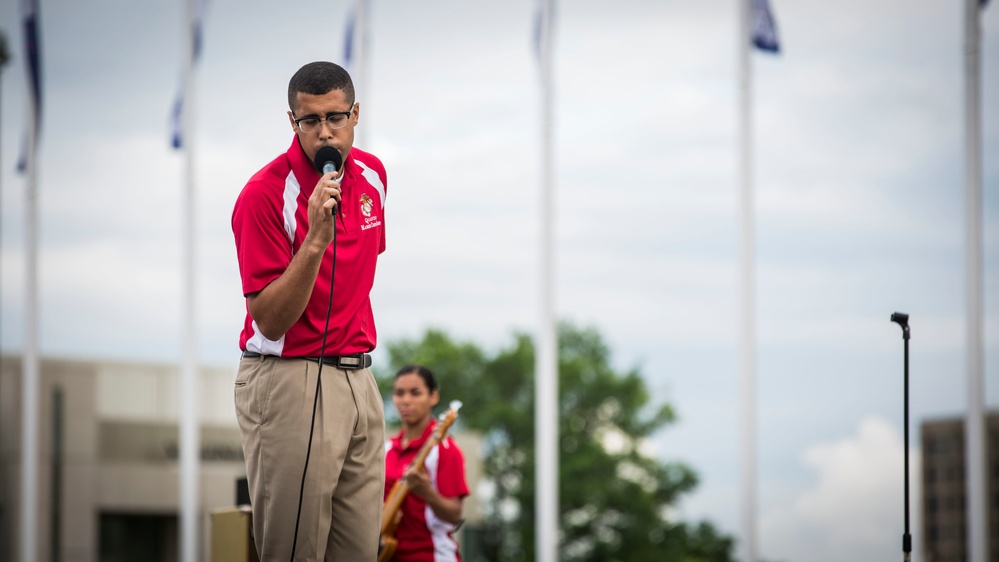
pixel 366 206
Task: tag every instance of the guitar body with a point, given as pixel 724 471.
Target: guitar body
pixel 387 549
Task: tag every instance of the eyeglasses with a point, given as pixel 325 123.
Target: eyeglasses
pixel 335 120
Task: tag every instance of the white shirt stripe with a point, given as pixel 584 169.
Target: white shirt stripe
pixel 444 546
pixel 374 180
pixel 259 344
pixel 291 191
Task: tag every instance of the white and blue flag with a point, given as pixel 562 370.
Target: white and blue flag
pixel 348 38
pixel 177 115
pixel 537 32
pixel 32 46
pixel 764 27
pixel 542 28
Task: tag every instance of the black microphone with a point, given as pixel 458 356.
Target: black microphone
pixel 328 160
pixel 902 319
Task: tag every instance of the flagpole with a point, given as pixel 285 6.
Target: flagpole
pixel 975 450
pixel 30 366
pixel 188 391
pixel 4 59
pixel 29 382
pixel 546 359
pixel 747 340
pixel 361 82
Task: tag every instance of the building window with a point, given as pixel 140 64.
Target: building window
pixel 130 536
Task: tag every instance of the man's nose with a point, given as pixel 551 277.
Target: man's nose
pixel 326 129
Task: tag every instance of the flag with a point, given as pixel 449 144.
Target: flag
pixel 177 122
pixel 541 28
pixel 348 41
pixel 536 36
pixel 177 114
pixel 32 44
pixel 764 28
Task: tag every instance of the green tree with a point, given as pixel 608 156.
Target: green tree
pixel 613 500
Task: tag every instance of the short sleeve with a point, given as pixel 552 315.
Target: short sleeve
pixel 451 470
pixel 263 247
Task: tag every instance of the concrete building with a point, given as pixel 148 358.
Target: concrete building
pixel 108 441
pixel 944 492
pixel 109 481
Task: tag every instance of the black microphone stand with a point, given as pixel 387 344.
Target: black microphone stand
pixel 902 320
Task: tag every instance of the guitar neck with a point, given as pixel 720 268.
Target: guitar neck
pixel 421 457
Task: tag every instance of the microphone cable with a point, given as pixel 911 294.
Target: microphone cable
pixel 319 386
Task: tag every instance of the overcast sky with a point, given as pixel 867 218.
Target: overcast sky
pixel 860 210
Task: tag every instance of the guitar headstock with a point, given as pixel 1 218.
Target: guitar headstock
pixel 447 418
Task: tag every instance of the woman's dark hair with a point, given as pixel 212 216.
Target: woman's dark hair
pixel 423 372
pixel 318 78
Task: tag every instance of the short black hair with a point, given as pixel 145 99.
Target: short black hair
pixel 423 372
pixel 318 78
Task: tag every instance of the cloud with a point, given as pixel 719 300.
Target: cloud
pixel 854 509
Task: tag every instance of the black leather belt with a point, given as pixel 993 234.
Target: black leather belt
pixel 355 361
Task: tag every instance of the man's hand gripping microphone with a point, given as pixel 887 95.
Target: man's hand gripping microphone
pixel 328 160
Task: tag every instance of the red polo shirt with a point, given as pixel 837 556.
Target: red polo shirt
pixel 422 536
pixel 270 221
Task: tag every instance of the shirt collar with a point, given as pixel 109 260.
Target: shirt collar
pixel 416 443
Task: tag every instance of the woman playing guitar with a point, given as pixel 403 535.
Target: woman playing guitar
pixel 432 509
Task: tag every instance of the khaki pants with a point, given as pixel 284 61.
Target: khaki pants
pixel 344 484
